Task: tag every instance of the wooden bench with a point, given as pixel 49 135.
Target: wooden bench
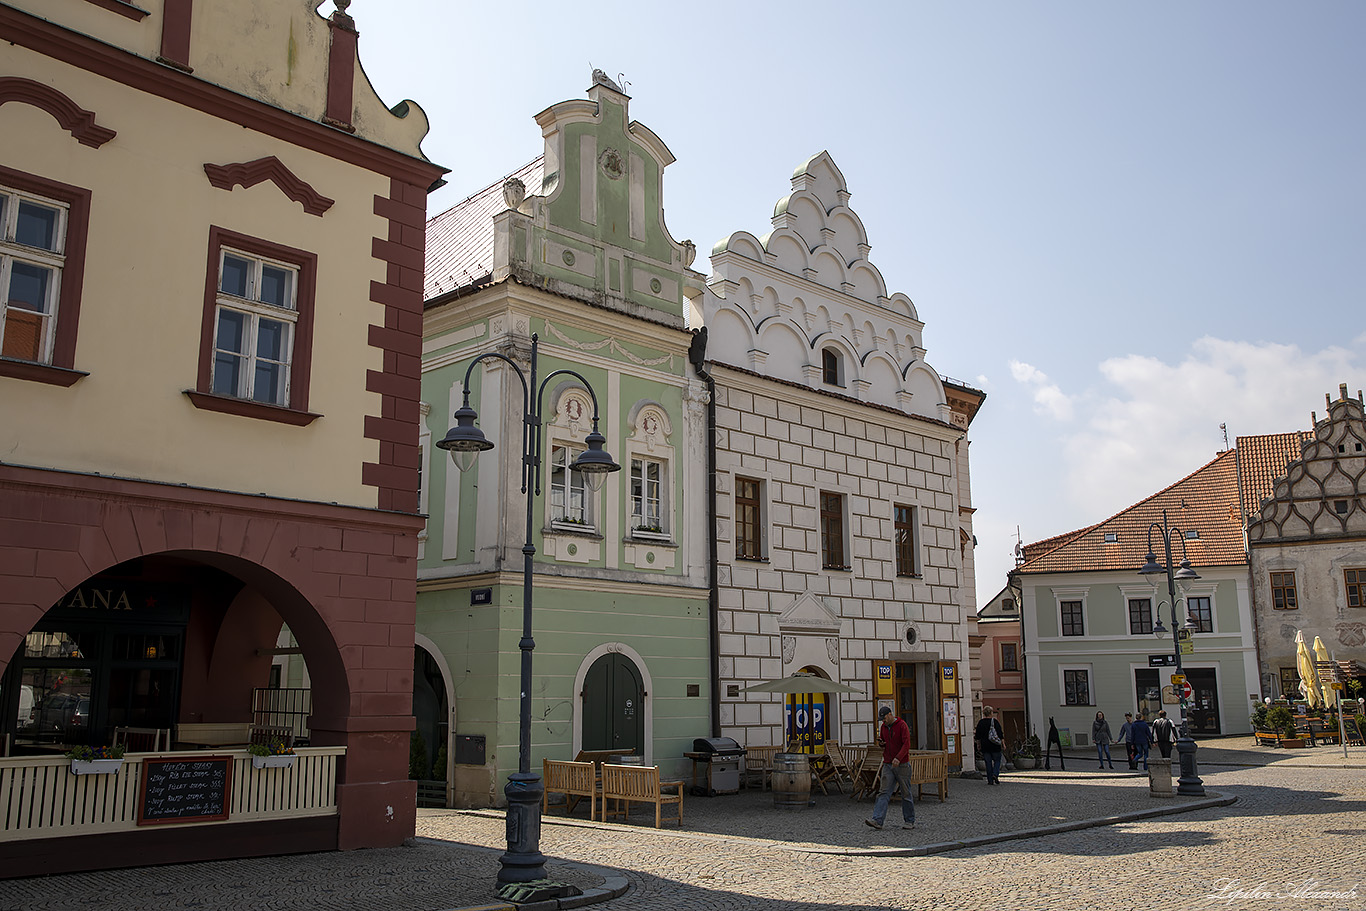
pixel 575 780
pixel 629 784
pixel 930 767
pixel 1266 736
pixel 759 761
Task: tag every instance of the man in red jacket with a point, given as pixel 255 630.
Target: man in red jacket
pixel 896 769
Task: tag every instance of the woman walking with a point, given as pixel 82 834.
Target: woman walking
pixel 990 740
pixel 1100 736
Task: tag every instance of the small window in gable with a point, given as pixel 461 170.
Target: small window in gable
pixel 832 367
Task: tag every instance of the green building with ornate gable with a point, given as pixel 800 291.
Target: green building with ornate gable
pixel 571 249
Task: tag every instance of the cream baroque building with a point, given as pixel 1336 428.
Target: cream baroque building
pixel 843 500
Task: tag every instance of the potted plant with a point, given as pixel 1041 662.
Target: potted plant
pixel 1281 721
pixel 275 755
pixel 86 760
pixel 1030 751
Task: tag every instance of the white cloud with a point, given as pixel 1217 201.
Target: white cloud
pixel 1049 399
pixel 1146 424
pixel 1162 422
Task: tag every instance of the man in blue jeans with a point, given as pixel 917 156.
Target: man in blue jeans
pixel 1141 736
pixel 896 769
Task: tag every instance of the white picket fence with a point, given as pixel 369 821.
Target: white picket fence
pixel 40 797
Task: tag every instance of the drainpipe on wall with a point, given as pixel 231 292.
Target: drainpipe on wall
pixel 1264 681
pixel 697 354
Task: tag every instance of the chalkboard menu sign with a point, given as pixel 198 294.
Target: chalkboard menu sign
pixel 194 789
pixel 1349 727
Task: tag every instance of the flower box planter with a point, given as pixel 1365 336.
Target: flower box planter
pixel 1292 743
pixel 95 766
pixel 1024 763
pixel 273 762
pixel 641 534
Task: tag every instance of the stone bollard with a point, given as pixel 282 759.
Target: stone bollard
pixel 1160 777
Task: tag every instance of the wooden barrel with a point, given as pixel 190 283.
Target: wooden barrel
pixel 791 781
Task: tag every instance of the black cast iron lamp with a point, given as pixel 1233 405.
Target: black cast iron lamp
pixel 1189 783
pixel 523 861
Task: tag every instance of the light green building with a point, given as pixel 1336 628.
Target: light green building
pixel 572 250
pixel 1091 620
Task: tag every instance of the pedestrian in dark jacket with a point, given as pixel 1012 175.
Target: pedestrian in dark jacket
pixel 990 740
pixel 1165 734
pixel 1141 736
pixel 1100 736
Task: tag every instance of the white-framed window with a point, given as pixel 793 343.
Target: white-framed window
pixel 254 324
pixel 647 496
pixel 32 256
pixel 1071 605
pixel 569 495
pixel 1075 686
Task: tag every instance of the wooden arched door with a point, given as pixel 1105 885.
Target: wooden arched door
pixel 613 706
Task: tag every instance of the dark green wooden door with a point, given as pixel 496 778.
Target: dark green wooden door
pixel 613 713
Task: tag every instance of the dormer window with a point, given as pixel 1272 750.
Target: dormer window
pixel 1007 604
pixel 832 367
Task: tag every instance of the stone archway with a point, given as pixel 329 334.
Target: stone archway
pixel 342 578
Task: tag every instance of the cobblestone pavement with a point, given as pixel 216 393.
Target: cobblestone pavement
pixel 1297 827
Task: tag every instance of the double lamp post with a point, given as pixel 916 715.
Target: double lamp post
pixel 1189 783
pixel 523 861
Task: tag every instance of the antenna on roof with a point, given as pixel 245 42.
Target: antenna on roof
pixel 1224 428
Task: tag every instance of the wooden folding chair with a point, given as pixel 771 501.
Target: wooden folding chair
pixel 834 768
pixel 142 740
pixel 867 773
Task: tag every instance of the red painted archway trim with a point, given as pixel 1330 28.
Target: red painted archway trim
pixel 73 118
pixel 250 173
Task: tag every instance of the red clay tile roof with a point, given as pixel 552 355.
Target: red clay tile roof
pixel 1206 502
pixel 460 240
pixel 1263 459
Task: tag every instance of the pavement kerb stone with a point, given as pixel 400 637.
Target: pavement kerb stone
pixel 614 886
pixel 1218 800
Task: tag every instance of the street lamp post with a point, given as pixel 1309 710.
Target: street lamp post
pixel 1189 783
pixel 523 861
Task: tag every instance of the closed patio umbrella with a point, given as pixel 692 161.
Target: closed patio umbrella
pixel 1309 678
pixel 1321 657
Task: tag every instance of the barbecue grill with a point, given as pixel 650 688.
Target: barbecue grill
pixel 721 756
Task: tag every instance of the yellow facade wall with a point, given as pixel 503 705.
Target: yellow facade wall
pixel 272 50
pixel 143 300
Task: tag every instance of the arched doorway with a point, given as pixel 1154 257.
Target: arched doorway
pixel 613 706
pixel 429 746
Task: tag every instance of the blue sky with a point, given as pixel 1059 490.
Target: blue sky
pixel 1127 223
